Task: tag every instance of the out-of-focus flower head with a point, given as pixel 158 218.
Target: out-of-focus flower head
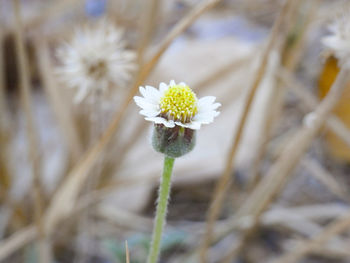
pixel 95 60
pixel 338 41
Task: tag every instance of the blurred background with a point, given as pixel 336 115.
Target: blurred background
pixel 78 175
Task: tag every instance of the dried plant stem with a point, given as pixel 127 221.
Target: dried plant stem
pixel 275 101
pixel 96 116
pixel 225 180
pixel 273 108
pixel 65 197
pixel 5 131
pixel 148 27
pixel 31 131
pixel 290 59
pixel 335 228
pixel 310 101
pixel 182 25
pixel 52 10
pixel 295 53
pixel 323 176
pixel 121 151
pixel 203 84
pixel 67 124
pixel 16 241
pixel 3 110
pixel 162 207
pixel 277 175
pixel 139 129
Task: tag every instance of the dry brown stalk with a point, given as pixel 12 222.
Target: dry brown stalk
pixel 52 10
pixel 269 118
pixel 67 124
pixel 334 229
pixel 5 134
pixel 16 241
pixel 120 151
pixel 137 133
pixel 294 149
pixel 32 136
pixel 287 50
pixel 3 117
pixel 226 180
pixel 147 28
pixel 203 84
pixel 26 235
pixel 310 101
pixel 124 219
pixel 64 199
pixel 277 175
pixel 294 55
pixel 323 176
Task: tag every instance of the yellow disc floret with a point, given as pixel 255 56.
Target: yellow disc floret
pixel 179 103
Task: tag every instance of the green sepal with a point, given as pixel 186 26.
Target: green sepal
pixel 173 142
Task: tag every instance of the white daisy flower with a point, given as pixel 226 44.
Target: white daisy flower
pixel 176 104
pixel 95 60
pixel 338 42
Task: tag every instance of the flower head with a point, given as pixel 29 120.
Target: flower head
pixel 338 42
pixel 95 60
pixel 176 105
pixel 177 114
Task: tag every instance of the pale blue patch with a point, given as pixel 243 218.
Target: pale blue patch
pixel 95 8
pixel 237 27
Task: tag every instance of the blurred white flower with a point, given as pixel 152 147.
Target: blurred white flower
pixel 338 42
pixel 95 60
pixel 176 104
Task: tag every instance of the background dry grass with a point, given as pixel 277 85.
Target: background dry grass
pixel 267 181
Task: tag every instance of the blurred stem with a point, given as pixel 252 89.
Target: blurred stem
pixel 162 206
pixel 148 26
pixel 24 76
pixel 5 178
pixel 61 111
pixel 226 180
pixel 277 176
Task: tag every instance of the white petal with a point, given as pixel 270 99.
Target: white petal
pixel 206 100
pixel 172 83
pixel 142 91
pixel 206 117
pixel 145 104
pixel 210 107
pixel 214 106
pixel 153 94
pixel 160 120
pixel 163 87
pixel 181 124
pixel 150 94
pixel 194 125
pixel 149 113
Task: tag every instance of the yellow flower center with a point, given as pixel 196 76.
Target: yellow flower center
pixel 179 103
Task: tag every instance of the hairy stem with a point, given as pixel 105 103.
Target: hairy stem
pixel 162 206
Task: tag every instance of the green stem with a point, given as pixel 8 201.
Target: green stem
pixel 164 191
